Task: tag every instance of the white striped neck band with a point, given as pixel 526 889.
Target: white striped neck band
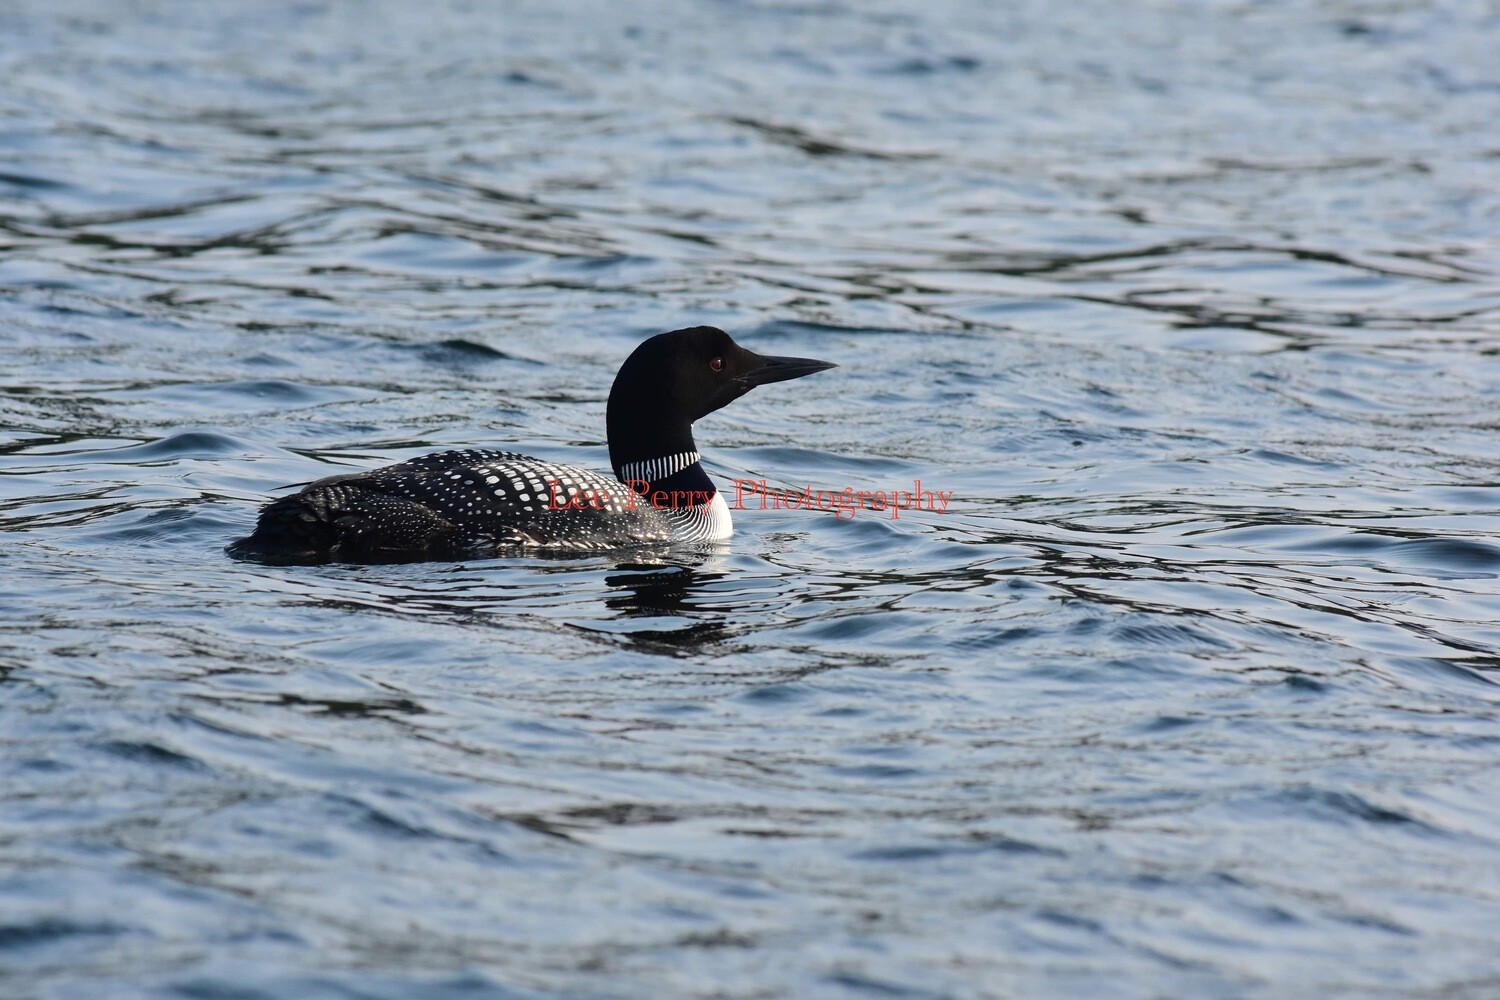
pixel 654 470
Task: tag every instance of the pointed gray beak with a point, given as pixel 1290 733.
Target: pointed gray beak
pixel 773 369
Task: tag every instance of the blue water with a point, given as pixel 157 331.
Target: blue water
pixel 1195 307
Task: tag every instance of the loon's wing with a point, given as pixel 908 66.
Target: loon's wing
pixel 452 505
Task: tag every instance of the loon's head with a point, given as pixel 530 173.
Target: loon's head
pixel 675 378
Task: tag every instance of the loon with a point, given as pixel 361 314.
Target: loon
pixel 474 503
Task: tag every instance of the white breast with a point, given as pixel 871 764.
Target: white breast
pixel 707 523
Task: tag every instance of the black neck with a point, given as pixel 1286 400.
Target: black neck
pixel 687 487
pixel 636 444
pixel 643 425
pixel 650 416
pixel 679 471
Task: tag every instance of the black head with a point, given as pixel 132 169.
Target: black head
pixel 675 378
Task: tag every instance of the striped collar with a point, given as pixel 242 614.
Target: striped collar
pixel 656 469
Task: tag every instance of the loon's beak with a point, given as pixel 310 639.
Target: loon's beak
pixel 772 369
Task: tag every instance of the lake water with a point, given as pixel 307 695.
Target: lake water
pixel 1195 308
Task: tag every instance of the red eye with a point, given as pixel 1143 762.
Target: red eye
pixel 717 364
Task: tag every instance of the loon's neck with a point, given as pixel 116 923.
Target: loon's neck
pixel 651 452
pixel 681 471
pixel 678 486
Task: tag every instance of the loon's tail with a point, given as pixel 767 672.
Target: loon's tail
pixel 288 532
pixel 336 519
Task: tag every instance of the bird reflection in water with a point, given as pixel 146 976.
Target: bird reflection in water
pixel 671 596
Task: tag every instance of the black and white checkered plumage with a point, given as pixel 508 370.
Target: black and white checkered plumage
pixel 475 503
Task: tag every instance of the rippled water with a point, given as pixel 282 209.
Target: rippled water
pixel 1194 306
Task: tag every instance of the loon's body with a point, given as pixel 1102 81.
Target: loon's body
pixel 471 504
pixel 474 503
